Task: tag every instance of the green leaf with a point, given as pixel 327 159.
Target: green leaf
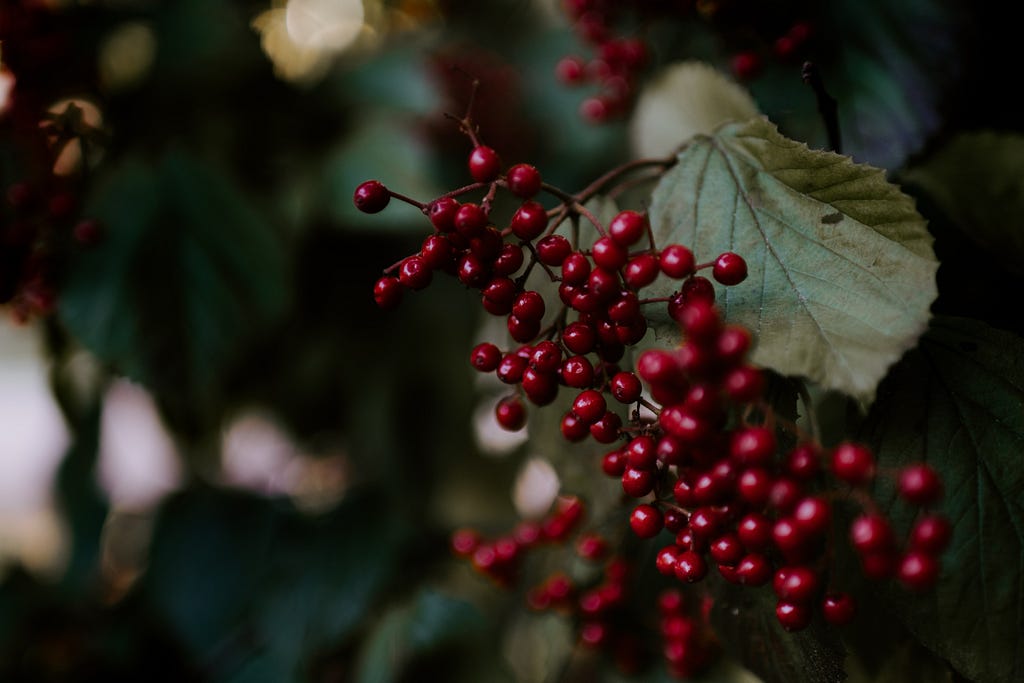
pixel 956 403
pixel 744 620
pixel 189 271
pixel 978 180
pixel 841 268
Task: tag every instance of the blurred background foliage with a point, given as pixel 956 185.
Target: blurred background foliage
pixel 282 512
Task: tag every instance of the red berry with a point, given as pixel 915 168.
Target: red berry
pixel 388 292
pixel 579 338
pixel 541 388
pixel 871 534
pixel 727 549
pixel 812 516
pixel 575 269
pixel 484 164
pixel 853 463
pixel 918 571
pixel 87 232
pixel 659 367
pixel 753 446
pixel 470 220
pixel 791 541
pixel 485 357
pixel 838 608
pixel 626 387
pixel 637 483
pixel 690 566
pixel 510 369
pixel 745 384
pixel 592 547
pixel 546 357
pixel 509 260
pixel 677 261
pixel 802 461
pixel 553 250
pixel 732 345
pixel 589 406
pixel 627 228
pixel 511 413
pixel 577 372
pixel 646 521
pixel 793 616
pixel 570 70
pixel 754 486
pixel 729 269
pixel 746 65
pixel 931 534
pixel 609 254
pixel 641 271
pixel 606 429
pixel 797 584
pixel 642 452
pixel 523 180
pixel 575 429
pixel 528 305
pixel 755 531
pixel 666 561
pixel 437 252
pixel 754 569
pixel 498 295
pixel 371 197
pixel 529 221
pixel 442 213
pixel 920 485
pixel 614 463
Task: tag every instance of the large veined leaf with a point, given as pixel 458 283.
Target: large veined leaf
pixel 841 268
pixel 978 180
pixel 957 403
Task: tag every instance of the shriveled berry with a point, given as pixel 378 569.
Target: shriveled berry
pixel 729 269
pixel 523 180
pixel 646 521
pixel 371 197
pixel 388 292
pixel 484 164
pixel 677 261
pixel 511 413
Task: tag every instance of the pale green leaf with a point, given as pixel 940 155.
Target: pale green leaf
pixel 978 181
pixel 841 267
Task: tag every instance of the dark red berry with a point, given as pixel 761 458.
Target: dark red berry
pixel 931 534
pixel 88 232
pixel 754 569
pixel 755 531
pixel 646 521
pixel 753 446
pixel 812 516
pixel 754 486
pixel 575 429
pixel 732 345
pixel 442 213
pixel 920 485
pixel 470 220
pixel 510 413
pixel 797 584
pixel 666 560
pixel 802 461
pixel 690 567
pixel 589 406
pixel 627 228
pixel 745 384
pixel 642 452
pixel 575 269
pixel 484 164
pixel 509 260
pixel 498 295
pixel 577 372
pixel 388 292
pixel 793 616
pixel 606 429
pixel 529 305
pixel 641 271
pixel 510 369
pixel 570 70
pixel 727 549
pixel 677 261
pixel 437 252
pixel 918 571
pixel 541 388
pixel 871 533
pixel 637 483
pixel 371 197
pixel 579 338
pixel 729 269
pixel 609 254
pixel 614 463
pixel 838 608
pixel 853 463
pixel 485 357
pixel 523 180
pixel 746 65
pixel 626 387
pixel 523 330
pixel 529 221
pixel 553 250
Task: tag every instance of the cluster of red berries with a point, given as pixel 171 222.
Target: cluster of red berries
pixel 617 62
pixel 736 497
pixel 688 643
pixel 787 47
pixel 501 558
